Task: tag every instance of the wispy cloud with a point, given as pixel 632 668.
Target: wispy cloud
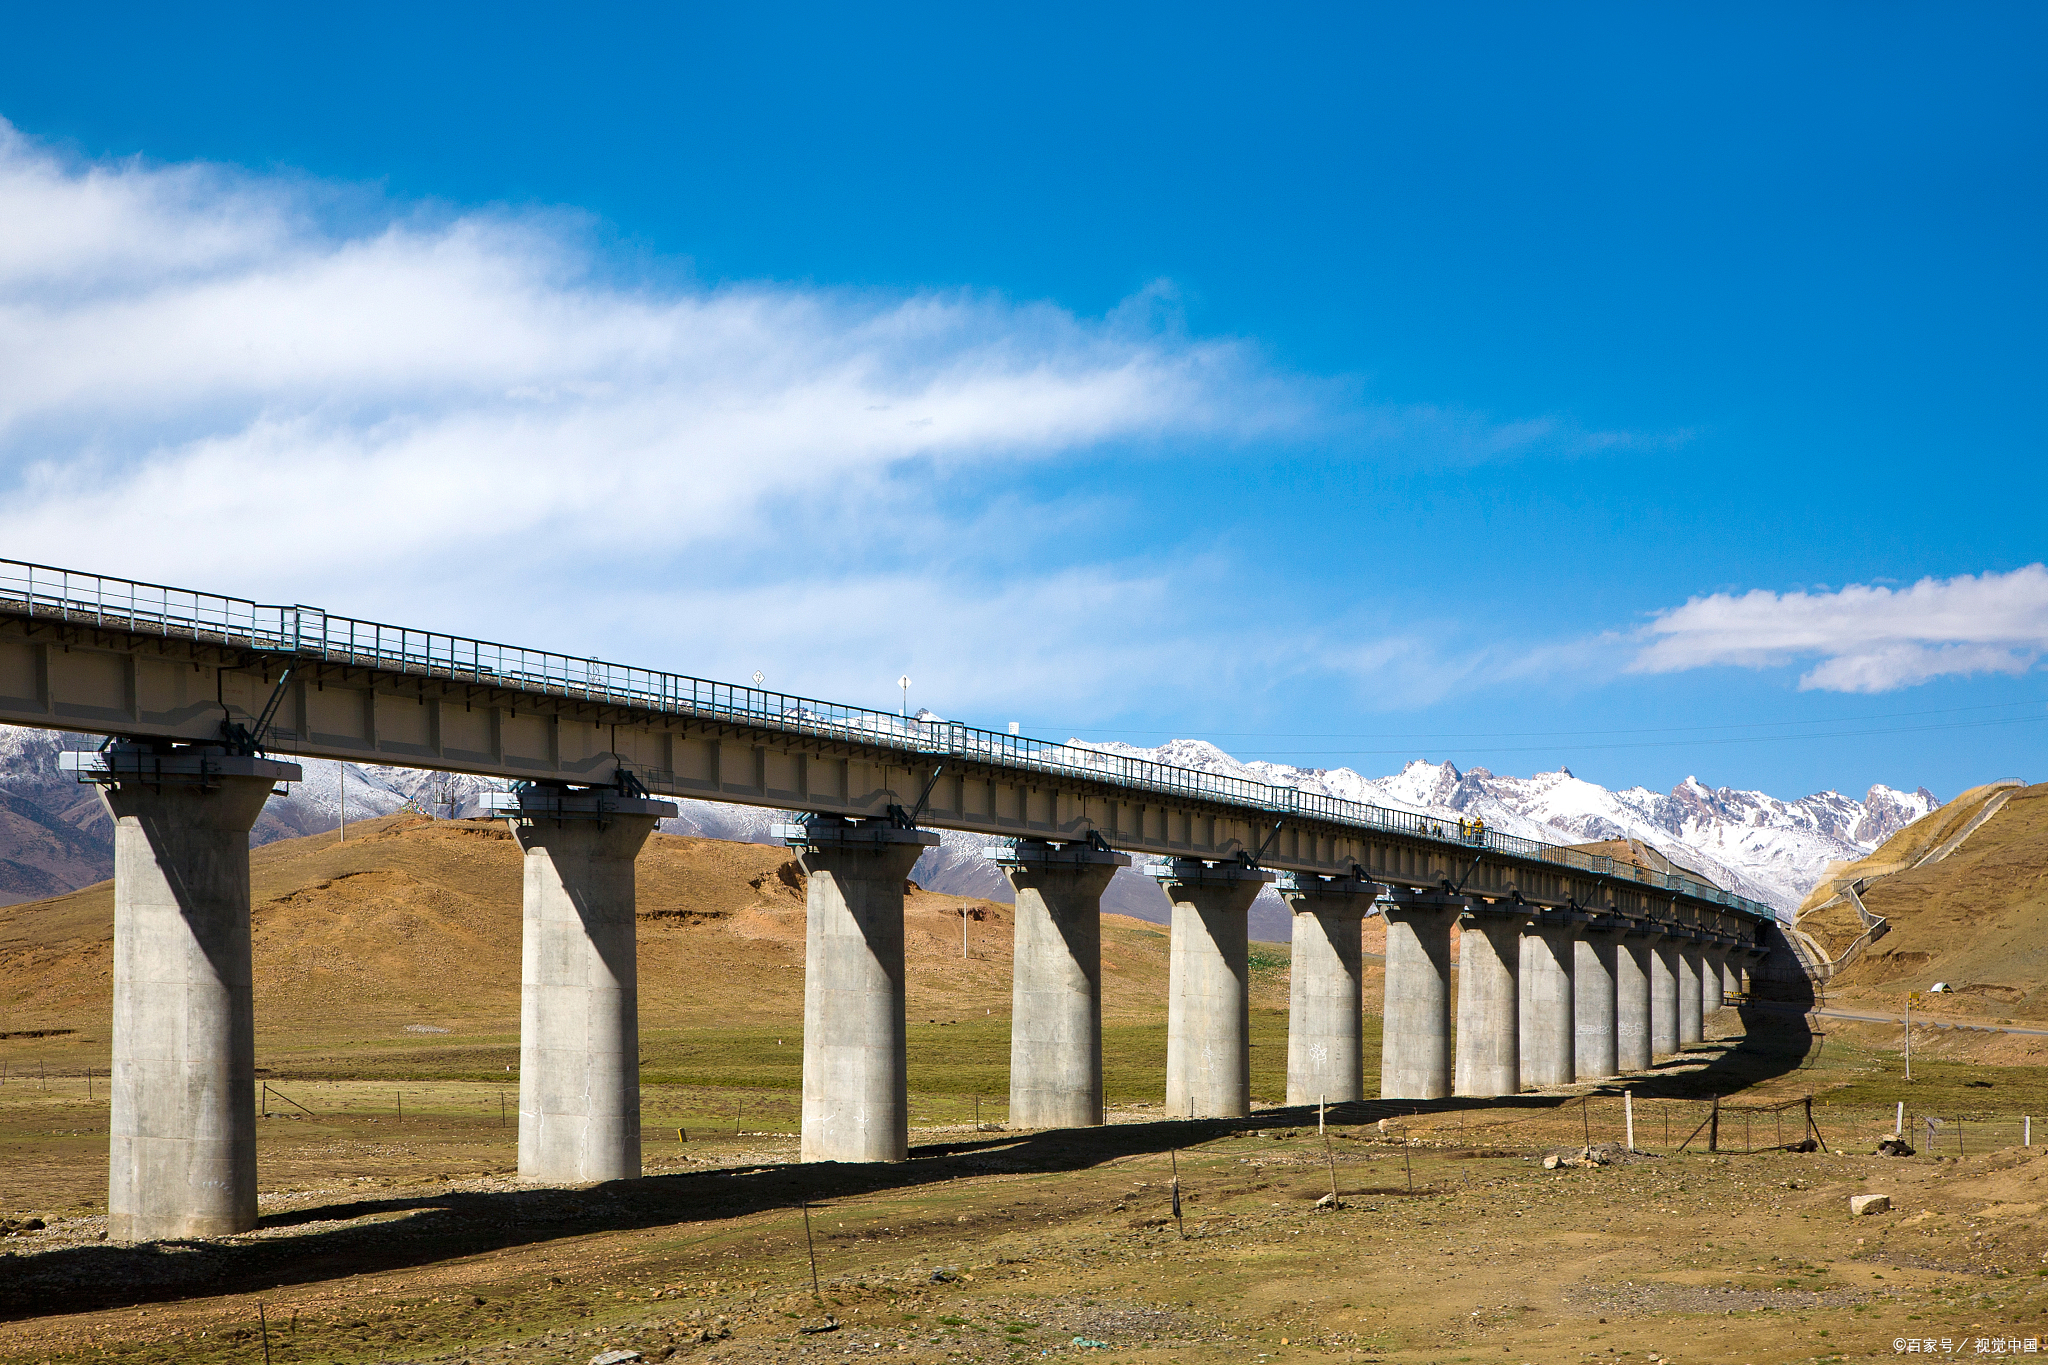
pixel 1439 437
pixel 1863 638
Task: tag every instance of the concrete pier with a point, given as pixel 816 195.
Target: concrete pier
pixel 1595 959
pixel 1056 981
pixel 1489 1005
pixel 856 1103
pixel 1731 971
pixel 1664 997
pixel 1415 1042
pixel 1326 1003
pixel 1688 965
pixel 1547 998
pixel 1634 966
pixel 182 1122
pixel 579 986
pixel 1711 956
pixel 1208 998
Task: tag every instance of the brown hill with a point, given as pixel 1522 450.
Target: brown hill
pixel 1924 840
pixel 415 922
pixel 52 846
pixel 1977 918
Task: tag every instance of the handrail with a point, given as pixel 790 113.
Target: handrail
pixel 304 632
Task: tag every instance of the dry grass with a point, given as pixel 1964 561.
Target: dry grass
pixel 390 1238
pixel 1978 920
pixel 1904 848
pixel 388 1241
pixel 416 922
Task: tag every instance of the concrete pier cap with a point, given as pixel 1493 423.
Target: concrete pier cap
pixel 856 1095
pixel 1489 1043
pixel 1326 1001
pixel 182 1118
pixel 1054 853
pixel 1208 1004
pixel 579 988
pixel 1415 1043
pixel 1056 978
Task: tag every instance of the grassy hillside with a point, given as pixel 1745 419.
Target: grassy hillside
pixel 1905 848
pixel 1977 919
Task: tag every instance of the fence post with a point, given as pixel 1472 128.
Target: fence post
pixel 1714 1126
pixel 1628 1114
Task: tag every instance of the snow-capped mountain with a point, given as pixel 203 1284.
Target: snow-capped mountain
pixel 1754 844
pixel 958 866
pixel 55 836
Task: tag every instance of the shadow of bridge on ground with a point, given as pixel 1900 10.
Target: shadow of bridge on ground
pixel 447 1226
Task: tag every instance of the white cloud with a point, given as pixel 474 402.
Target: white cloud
pixel 296 391
pixel 185 347
pixel 1865 638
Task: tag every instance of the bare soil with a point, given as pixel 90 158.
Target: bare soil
pixel 393 1229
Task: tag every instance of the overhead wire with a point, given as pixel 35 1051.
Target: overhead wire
pixel 1435 741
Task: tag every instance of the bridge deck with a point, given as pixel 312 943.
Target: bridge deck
pixel 108 656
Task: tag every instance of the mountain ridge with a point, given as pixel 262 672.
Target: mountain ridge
pixel 1749 842
pixel 56 837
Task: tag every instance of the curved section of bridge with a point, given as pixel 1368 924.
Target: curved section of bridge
pixel 205 698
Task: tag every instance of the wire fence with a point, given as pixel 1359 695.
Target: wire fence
pixel 1674 1126
pixel 1657 1126
pixel 300 632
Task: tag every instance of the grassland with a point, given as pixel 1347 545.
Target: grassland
pixel 394 1230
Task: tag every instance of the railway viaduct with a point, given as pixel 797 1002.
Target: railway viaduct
pixel 1572 966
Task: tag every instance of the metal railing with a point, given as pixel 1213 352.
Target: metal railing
pixel 304 632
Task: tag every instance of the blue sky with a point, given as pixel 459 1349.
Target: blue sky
pixel 1515 385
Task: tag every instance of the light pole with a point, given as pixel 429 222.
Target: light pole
pixel 904 683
